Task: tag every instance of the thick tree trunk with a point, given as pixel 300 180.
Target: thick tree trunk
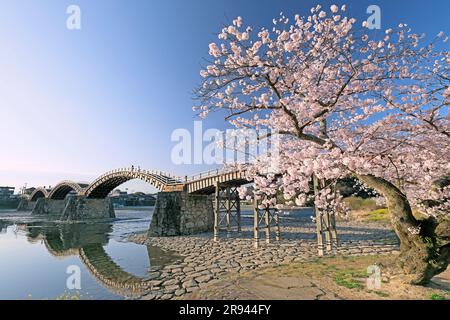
pixel 423 254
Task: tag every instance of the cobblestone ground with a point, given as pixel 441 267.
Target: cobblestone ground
pixel 205 261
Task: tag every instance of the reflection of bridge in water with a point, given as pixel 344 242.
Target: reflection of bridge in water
pixel 200 203
pixel 88 241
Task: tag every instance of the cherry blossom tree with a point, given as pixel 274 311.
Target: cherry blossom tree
pixel 344 104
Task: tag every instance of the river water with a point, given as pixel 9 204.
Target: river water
pixel 41 259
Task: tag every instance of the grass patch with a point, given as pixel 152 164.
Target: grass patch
pixel 367 210
pixel 378 215
pixel 360 274
pixel 436 296
pixel 349 279
pixel 357 203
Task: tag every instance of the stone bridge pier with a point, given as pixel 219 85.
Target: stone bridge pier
pixel 75 208
pixel 180 213
pixel 26 205
pixel 175 212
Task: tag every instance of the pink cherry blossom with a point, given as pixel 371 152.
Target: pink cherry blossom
pixel 342 103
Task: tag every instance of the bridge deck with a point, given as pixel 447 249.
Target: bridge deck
pixel 202 183
pixel 206 185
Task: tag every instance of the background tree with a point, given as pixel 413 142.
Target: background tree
pixel 343 105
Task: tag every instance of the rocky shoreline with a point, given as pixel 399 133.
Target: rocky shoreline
pixel 205 261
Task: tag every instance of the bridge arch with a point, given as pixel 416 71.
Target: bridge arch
pixel 102 186
pixel 108 272
pixel 38 193
pixel 62 189
pixel 87 241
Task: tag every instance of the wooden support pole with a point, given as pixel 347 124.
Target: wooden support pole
pixel 327 222
pixel 276 217
pixel 267 224
pixel 333 230
pixel 256 223
pixel 319 221
pixel 228 207
pixel 238 212
pixel 326 216
pixel 216 211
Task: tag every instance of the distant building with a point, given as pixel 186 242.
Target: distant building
pixel 8 199
pixel 6 192
pixel 124 199
pixel 28 191
pixel 118 193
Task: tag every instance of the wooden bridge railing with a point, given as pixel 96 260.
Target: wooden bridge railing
pixel 208 174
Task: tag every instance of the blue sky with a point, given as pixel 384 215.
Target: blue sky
pixel 74 104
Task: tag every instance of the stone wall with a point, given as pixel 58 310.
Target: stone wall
pixel 81 208
pixel 26 205
pixel 75 208
pixel 197 213
pixel 175 213
pixel 180 213
pixel 45 206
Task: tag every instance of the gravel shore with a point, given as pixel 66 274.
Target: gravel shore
pixel 205 261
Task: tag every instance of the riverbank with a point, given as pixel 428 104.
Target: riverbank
pixel 206 263
pixel 329 278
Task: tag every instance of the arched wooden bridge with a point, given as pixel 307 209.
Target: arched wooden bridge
pixel 222 183
pixel 202 183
